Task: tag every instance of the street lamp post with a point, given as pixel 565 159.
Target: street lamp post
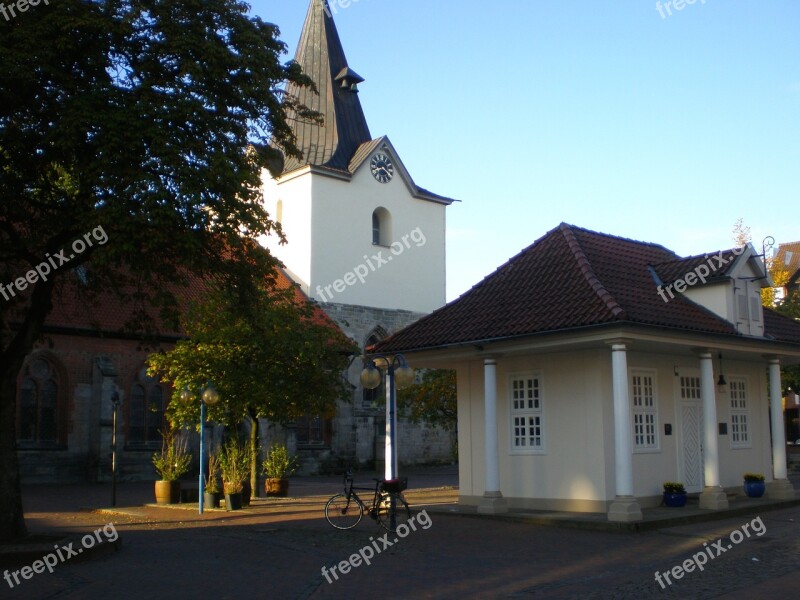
pixel 398 375
pixel 115 401
pixel 208 396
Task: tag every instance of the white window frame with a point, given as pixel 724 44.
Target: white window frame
pixel 644 411
pixel 739 407
pixel 527 412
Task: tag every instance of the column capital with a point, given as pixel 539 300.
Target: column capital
pixel 773 359
pixel 704 352
pixel 619 344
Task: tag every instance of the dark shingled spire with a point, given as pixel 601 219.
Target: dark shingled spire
pixel 320 53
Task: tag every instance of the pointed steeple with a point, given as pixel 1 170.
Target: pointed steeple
pixel 320 53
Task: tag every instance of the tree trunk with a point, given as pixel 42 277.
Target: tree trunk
pixel 12 519
pixel 15 348
pixel 254 436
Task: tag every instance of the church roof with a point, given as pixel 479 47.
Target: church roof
pixel 333 143
pixel 573 278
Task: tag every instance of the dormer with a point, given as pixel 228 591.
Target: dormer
pixel 728 283
pixel 349 79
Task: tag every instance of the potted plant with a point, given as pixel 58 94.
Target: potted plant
pixel 754 485
pixel 211 490
pixel 674 494
pixel 235 467
pixel 171 464
pixel 278 466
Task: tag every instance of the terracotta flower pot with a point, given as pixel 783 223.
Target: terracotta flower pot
pixel 277 488
pixel 168 492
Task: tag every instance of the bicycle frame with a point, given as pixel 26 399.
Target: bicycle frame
pixel 350 492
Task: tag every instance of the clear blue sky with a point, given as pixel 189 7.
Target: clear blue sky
pixel 605 115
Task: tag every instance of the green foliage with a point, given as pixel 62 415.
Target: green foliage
pixel 173 461
pixel 751 477
pixel 234 462
pixel 152 120
pixel 433 400
pixel 268 355
pixel 674 487
pixel 214 472
pixel 279 464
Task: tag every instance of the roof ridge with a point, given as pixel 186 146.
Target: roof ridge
pixel 586 269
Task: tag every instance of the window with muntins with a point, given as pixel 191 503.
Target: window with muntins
pixel 644 411
pixel 527 414
pixel 740 413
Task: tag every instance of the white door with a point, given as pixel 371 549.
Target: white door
pixel 690 419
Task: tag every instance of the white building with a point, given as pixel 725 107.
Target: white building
pixel 587 376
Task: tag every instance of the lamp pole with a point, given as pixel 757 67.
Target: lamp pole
pixel 208 396
pixel 398 376
pixel 115 402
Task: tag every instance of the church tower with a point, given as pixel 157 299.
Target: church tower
pixel 360 230
pixel 364 240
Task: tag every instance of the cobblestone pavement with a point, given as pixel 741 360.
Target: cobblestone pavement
pixel 277 549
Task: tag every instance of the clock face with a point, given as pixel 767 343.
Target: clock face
pixel 382 168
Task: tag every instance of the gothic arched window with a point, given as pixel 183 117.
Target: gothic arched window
pixel 145 410
pixel 38 404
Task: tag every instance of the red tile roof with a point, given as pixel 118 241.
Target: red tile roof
pixel 571 278
pixel 106 314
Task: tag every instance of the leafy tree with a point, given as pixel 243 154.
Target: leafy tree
pixel 270 355
pixel 132 116
pixel 434 400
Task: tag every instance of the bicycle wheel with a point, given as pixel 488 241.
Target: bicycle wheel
pixel 393 511
pixel 343 512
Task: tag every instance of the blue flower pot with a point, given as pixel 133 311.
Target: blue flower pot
pixel 675 500
pixel 754 489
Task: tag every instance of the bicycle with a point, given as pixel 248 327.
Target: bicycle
pixel 389 508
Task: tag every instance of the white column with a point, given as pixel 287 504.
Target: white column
pixel 493 501
pixel 713 496
pixel 625 507
pixel 780 487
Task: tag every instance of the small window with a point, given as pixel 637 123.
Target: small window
pixel 527 414
pixel 381 227
pixel 740 413
pixel 644 411
pixel 313 430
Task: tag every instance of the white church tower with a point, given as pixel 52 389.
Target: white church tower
pixel 364 240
